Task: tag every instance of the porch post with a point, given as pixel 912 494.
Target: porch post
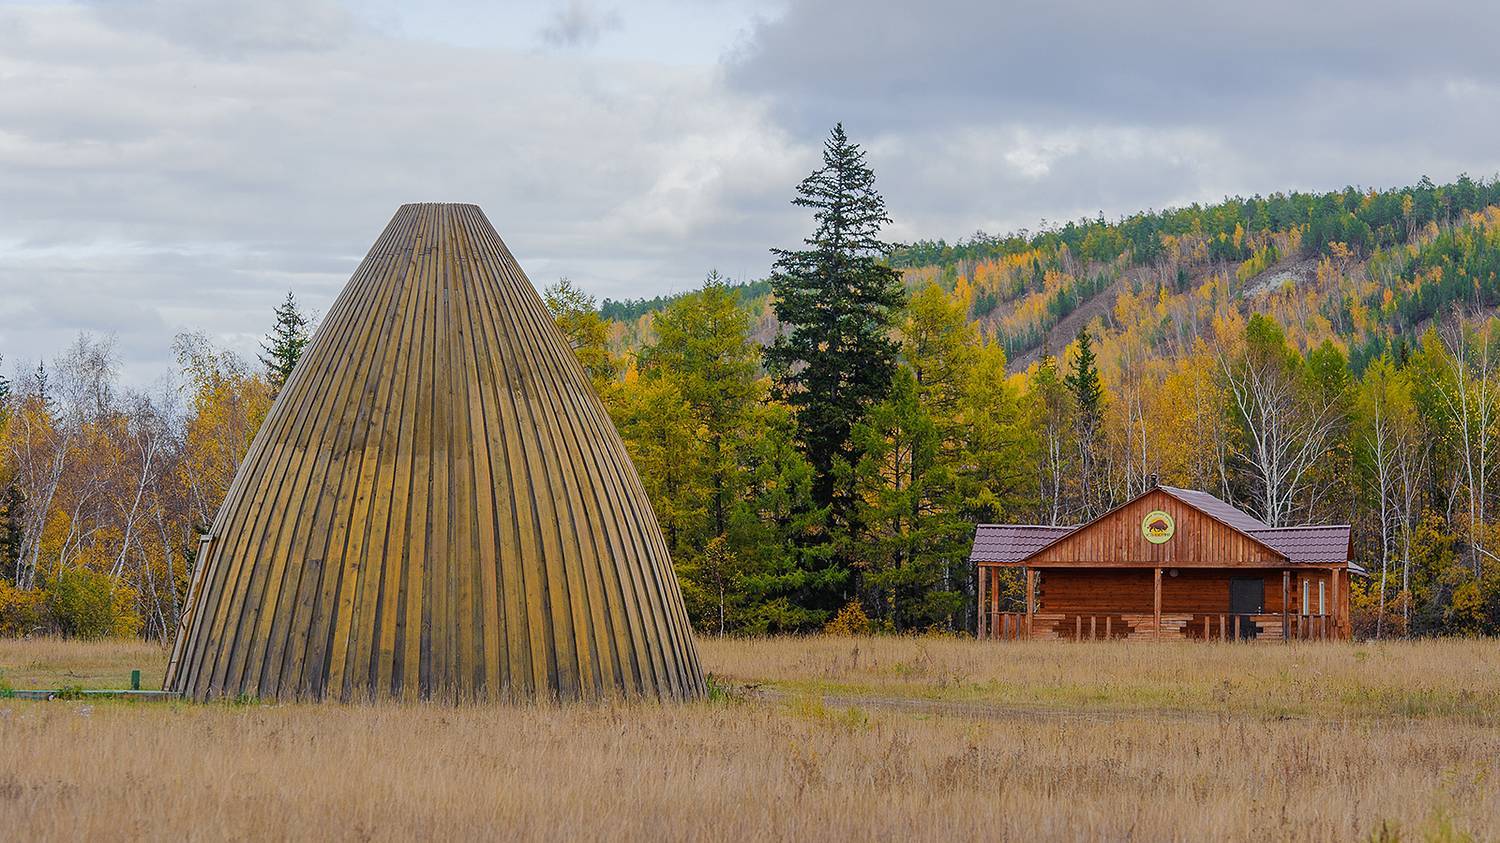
pixel 1286 599
pixel 994 599
pixel 1333 604
pixel 1030 597
pixel 981 601
pixel 1156 630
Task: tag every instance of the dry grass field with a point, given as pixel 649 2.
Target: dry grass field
pixel 884 739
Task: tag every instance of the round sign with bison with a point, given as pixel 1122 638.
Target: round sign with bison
pixel 1158 527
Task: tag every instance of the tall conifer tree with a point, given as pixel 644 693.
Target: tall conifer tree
pixel 1088 397
pixel 837 300
pixel 282 348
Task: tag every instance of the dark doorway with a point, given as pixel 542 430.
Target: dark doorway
pixel 1247 597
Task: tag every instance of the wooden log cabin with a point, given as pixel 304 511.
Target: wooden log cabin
pixel 1168 564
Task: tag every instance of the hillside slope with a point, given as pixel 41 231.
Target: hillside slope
pixel 1360 268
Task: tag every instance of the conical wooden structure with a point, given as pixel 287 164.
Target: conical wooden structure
pixel 437 505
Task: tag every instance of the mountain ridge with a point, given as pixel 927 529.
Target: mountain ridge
pixel 1372 265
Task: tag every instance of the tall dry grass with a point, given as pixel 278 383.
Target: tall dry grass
pixel 1451 677
pixel 795 767
pixel 56 662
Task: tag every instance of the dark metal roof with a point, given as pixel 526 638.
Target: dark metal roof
pixel 1013 542
pixel 1215 508
pixel 1312 545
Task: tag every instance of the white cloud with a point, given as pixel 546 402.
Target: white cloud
pixel 178 164
pixel 182 189
pixel 237 28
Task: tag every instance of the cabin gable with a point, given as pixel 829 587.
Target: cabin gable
pixel 1117 538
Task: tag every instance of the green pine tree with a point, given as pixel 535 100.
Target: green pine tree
pixel 837 301
pixel 283 347
pixel 5 393
pixel 41 384
pixel 1083 381
pixel 1088 399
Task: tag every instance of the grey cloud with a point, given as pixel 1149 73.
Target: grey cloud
pixel 579 23
pixel 236 28
pixel 201 188
pixel 152 172
pixel 1156 61
pixel 1002 114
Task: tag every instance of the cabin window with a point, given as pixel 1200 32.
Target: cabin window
pixel 1306 586
pixel 1321 610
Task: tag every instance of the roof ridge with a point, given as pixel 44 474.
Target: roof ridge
pixel 1306 527
pixel 1035 526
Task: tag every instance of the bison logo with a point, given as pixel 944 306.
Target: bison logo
pixel 1157 527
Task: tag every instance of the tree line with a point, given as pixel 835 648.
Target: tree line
pixel 104 491
pixel 835 474
pixel 831 476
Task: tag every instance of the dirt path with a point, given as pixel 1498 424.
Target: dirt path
pixel 980 710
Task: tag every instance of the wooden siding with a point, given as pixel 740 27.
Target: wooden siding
pixel 1105 590
pixel 1116 539
pixel 1095 590
pixel 436 505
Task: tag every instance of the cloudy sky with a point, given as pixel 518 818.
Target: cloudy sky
pixel 170 165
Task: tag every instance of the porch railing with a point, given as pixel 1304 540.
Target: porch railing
pixel 1313 628
pixel 1100 626
pixel 1005 626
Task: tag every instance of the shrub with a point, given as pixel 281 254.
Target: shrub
pixel 22 611
pixel 88 604
pixel 851 620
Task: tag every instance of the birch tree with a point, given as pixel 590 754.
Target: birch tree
pixel 1469 396
pixel 1285 424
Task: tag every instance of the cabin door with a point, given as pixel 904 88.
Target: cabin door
pixel 1247 597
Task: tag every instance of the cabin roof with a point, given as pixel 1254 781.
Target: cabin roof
pixel 1310 545
pixel 1216 508
pixel 1328 545
pixel 1013 542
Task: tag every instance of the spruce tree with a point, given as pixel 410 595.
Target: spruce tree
pixel 40 383
pixel 837 301
pixel 1083 381
pixel 282 348
pixel 1088 399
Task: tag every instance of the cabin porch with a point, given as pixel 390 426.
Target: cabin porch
pixel 1159 603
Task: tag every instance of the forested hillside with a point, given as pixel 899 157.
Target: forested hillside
pixel 1255 254
pixel 818 445
pixel 1311 357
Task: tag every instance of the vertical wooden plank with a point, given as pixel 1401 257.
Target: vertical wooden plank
pixel 1030 600
pixel 1156 633
pixel 1286 599
pixel 1333 599
pixel 981 602
pixel 994 596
